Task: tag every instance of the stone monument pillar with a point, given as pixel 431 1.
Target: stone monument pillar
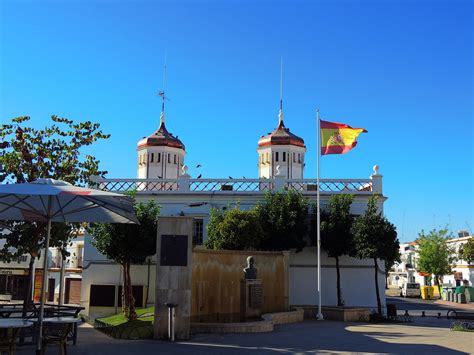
pixel 173 276
pixel 251 292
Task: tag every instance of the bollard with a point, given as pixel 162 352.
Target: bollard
pixel 439 315
pixel 171 325
pixel 423 314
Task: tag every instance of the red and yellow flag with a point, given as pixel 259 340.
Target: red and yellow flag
pixel 338 138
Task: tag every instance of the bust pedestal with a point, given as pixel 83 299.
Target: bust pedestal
pixel 251 299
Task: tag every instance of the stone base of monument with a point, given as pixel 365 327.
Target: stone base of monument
pixel 251 299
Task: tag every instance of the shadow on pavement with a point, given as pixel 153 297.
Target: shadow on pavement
pixel 310 337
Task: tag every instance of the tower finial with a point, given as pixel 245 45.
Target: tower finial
pixel 280 114
pixel 162 94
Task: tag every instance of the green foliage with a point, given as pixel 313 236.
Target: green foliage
pixel 52 152
pixel 279 223
pixel 336 225
pixel 130 243
pixel 467 251
pixel 284 218
pixel 435 256
pixel 234 229
pixel 375 238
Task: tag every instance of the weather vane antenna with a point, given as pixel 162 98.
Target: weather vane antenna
pixel 162 93
pixel 280 114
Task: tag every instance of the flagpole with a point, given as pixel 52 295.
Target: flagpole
pixel 318 218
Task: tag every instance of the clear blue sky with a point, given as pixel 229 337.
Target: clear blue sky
pixel 401 69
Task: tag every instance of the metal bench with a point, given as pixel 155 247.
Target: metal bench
pixel 459 314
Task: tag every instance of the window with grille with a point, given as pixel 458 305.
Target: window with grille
pixel 198 229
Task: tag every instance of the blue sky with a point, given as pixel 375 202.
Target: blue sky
pixel 400 69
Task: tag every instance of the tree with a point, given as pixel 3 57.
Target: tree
pixel 284 217
pixel 128 244
pixel 27 154
pixel 467 251
pixel 234 229
pixel 336 234
pixel 435 256
pixel 374 238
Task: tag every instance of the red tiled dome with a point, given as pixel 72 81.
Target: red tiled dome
pixel 281 136
pixel 161 138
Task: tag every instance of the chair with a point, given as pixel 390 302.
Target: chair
pixel 56 333
pixel 8 340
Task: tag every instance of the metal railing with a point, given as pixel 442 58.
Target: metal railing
pixel 226 186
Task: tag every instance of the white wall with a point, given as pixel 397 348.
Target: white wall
pixel 357 280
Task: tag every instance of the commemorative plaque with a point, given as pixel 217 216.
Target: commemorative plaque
pixel 256 296
pixel 174 250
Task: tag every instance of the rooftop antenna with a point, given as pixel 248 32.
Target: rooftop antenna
pixel 162 93
pixel 280 114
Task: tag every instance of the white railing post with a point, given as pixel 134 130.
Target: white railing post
pixel 96 181
pixel 376 181
pixel 184 180
pixel 280 183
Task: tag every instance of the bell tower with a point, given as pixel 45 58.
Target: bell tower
pixel 281 153
pixel 161 154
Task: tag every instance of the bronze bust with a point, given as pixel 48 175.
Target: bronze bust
pixel 250 272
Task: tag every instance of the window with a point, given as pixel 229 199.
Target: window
pixel 276 156
pixel 175 158
pixel 159 157
pixel 198 228
pixel 284 156
pixel 299 158
pixel 169 158
pixel 102 296
pixel 152 157
pixel 268 161
pixel 294 157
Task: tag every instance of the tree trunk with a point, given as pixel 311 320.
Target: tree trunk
pixel 124 282
pixel 379 304
pixel 29 287
pixel 128 302
pixel 438 283
pixel 338 283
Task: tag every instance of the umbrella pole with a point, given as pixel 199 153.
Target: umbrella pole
pixel 43 290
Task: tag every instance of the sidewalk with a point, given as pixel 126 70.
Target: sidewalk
pixel 427 335
pixel 466 306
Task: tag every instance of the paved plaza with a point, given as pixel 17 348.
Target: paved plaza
pixel 425 335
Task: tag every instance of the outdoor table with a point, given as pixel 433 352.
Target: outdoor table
pixel 9 329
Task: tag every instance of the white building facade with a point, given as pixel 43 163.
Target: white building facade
pixel 281 160
pixel 407 270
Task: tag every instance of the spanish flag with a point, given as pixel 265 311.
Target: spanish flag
pixel 338 138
